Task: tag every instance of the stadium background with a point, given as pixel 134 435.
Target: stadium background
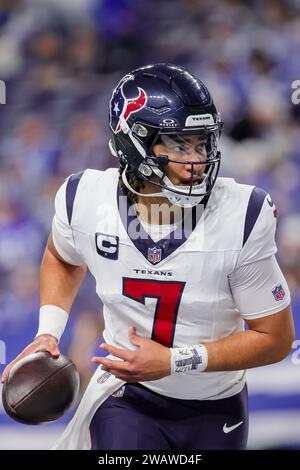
pixel 60 62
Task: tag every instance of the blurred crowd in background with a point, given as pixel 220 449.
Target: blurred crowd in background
pixel 60 62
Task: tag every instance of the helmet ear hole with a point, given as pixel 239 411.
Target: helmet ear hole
pixel 145 169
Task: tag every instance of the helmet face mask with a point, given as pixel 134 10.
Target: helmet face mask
pixel 148 110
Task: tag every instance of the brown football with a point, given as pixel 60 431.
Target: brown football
pixel 40 388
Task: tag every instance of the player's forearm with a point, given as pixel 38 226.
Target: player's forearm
pixel 245 350
pixel 59 281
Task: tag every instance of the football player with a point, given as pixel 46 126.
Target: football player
pixel 182 259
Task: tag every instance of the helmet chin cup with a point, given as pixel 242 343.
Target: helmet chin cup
pixel 182 201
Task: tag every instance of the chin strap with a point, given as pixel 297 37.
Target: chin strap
pixel 177 199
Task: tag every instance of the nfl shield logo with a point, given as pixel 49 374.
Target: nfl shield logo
pixel 154 255
pixel 278 292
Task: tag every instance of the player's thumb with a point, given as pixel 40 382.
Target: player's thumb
pixel 133 337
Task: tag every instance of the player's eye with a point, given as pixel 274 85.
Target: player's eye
pixel 180 148
pixel 186 148
pixel 201 146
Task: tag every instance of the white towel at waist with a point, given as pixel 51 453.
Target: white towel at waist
pixel 76 436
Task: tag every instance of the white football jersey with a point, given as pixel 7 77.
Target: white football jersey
pixel 187 288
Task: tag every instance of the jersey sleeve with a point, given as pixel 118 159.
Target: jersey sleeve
pixel 62 233
pixel 259 229
pixel 259 289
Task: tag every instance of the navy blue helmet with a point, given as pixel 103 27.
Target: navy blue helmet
pixel 163 104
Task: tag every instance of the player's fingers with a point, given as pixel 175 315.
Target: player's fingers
pixel 6 372
pixel 121 353
pixel 105 362
pixel 10 366
pixel 54 351
pixel 111 365
pixel 47 343
pixel 134 338
pixel 32 348
pixel 98 360
pixel 50 348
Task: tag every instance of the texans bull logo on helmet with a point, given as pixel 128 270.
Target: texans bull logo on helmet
pixel 121 107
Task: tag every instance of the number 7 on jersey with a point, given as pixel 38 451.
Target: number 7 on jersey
pixel 168 295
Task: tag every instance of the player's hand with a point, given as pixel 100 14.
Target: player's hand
pixel 43 342
pixel 150 361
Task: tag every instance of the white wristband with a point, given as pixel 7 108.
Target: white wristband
pixel 189 358
pixel 53 321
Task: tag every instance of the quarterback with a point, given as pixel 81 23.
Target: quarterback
pixel 182 260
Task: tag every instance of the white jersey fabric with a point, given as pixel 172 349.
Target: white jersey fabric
pixel 197 286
